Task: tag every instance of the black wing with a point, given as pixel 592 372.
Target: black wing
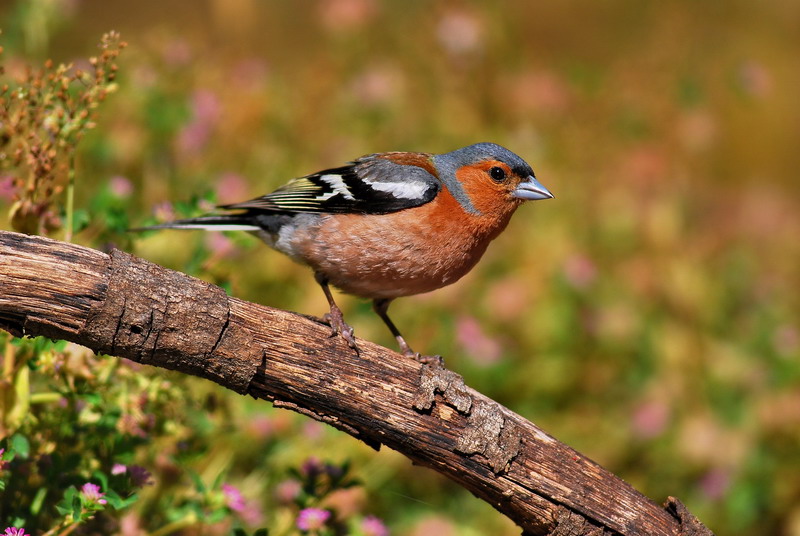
pixel 370 185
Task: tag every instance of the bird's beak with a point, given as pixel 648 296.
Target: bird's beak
pixel 531 190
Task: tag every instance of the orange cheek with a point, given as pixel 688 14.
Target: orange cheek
pixel 489 197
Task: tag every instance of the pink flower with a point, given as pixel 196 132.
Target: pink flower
pixel 177 53
pixel 470 335
pixel 206 111
pixel 8 188
pixel 377 86
pixel 13 531
pixel 92 494
pixel 231 187
pixel 460 32
pixel 120 187
pixel 233 498
pixel 716 483
pixel 287 491
pixel 347 15
pixel 755 79
pixel 206 106
pixel 164 211
pixel 580 271
pixel 372 526
pixel 3 464
pixel 312 518
pixel 650 420
pixel 118 469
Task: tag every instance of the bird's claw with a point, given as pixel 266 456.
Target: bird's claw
pixel 335 320
pixel 405 349
pixel 433 360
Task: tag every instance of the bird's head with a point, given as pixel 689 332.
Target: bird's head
pixel 488 179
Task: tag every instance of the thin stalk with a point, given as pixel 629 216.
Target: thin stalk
pixel 70 209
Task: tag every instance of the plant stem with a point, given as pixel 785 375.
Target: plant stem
pixel 70 198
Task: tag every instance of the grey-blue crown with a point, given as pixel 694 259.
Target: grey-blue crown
pixel 448 163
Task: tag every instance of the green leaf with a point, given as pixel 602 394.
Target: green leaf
pixel 20 445
pixel 64 507
pixel 38 500
pixel 77 506
pixel 218 481
pixel 198 482
pixel 101 476
pixel 80 220
pixel 216 516
pixel 117 502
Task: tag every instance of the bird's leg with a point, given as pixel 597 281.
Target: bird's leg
pixel 381 307
pixel 335 318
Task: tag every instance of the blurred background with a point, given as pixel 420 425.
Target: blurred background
pixel 647 316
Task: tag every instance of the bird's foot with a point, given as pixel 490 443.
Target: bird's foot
pixel 405 349
pixel 335 320
pixel 436 361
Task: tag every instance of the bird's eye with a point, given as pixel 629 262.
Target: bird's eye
pixel 497 174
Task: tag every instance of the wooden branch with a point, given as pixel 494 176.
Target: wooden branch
pixel 127 307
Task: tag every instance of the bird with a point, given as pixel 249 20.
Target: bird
pixel 386 225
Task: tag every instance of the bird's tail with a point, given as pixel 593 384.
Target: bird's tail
pixel 224 222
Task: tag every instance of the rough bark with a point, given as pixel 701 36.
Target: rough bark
pixel 127 307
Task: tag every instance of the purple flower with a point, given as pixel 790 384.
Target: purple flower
pixel 372 526
pixel 13 531
pixel 233 498
pixel 312 518
pixel 92 494
pixel 312 467
pixel 140 476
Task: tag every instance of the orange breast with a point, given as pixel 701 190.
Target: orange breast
pixel 398 254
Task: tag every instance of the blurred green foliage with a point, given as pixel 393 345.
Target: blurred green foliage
pixel 648 316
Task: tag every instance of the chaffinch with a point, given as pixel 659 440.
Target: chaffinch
pixel 387 224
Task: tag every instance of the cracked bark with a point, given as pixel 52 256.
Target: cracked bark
pixel 131 308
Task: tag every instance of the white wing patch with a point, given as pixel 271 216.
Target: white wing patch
pixel 401 190
pixel 216 227
pixel 338 185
